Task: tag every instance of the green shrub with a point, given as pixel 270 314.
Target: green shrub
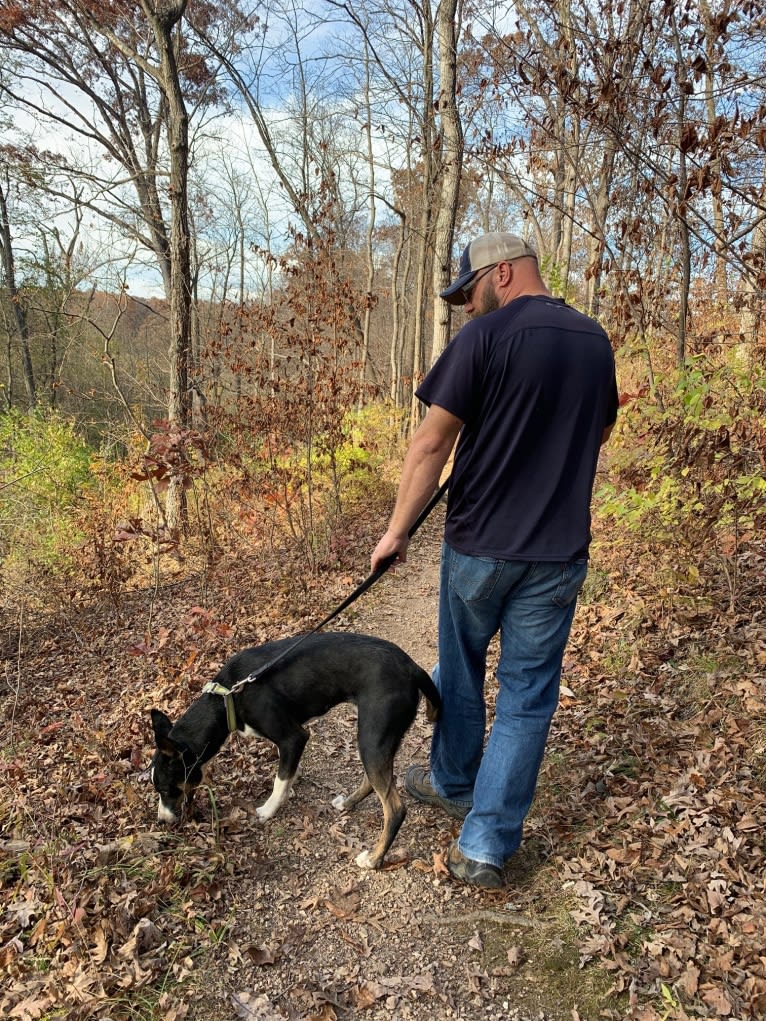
pixel 44 470
pixel 687 470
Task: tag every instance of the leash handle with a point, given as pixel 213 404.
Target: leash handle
pixel 368 582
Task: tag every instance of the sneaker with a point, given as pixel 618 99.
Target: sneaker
pixel 475 873
pixel 417 782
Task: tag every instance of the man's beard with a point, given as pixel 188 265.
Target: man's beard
pixel 489 303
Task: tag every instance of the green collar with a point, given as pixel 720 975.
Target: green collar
pixel 212 688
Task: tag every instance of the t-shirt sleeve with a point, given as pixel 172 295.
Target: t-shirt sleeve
pixel 454 381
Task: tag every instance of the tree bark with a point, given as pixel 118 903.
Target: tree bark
pixel 426 223
pixel 451 169
pixel 681 210
pixel 721 287
pixel 19 312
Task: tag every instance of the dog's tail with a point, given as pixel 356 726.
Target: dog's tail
pixel 433 698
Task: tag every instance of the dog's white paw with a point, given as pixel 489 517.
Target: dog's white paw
pixel 364 860
pixel 339 803
pixel 265 812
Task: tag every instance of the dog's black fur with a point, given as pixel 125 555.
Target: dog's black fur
pixel 323 671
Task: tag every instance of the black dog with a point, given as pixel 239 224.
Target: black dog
pixel 323 671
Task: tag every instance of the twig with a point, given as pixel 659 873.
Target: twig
pixel 501 917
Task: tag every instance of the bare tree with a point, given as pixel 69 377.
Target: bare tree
pixel 17 302
pixel 119 77
pixel 451 145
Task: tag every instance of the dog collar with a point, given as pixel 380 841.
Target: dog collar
pixel 212 688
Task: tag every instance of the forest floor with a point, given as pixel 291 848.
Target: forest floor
pixel 638 891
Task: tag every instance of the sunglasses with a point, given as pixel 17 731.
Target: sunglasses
pixel 467 288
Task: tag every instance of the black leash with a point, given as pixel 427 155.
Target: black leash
pixel 376 575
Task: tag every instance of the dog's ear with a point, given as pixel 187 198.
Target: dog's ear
pixel 162 725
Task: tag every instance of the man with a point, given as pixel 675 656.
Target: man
pixel 529 387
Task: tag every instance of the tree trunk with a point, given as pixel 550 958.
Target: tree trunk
pixel 681 210
pixel 597 242
pixel 569 140
pixel 369 238
pixel 19 312
pixel 397 329
pixel 425 227
pixel 716 204
pixel 755 291
pixel 163 18
pixel 451 167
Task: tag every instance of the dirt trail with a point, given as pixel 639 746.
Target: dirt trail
pixel 403 605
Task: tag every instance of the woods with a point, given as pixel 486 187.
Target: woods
pixel 223 233
pixel 292 213
pixel 627 144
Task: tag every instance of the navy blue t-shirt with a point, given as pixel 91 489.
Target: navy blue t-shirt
pixel 534 384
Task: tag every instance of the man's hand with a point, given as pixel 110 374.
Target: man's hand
pixel 390 545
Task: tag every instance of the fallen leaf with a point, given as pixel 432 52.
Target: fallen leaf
pixel 475 977
pixel 313 902
pixel 622 855
pixel 100 945
pixel 420 865
pixel 718 1000
pixel 254 1007
pixel 261 956
pixel 688 983
pixel 31 1008
pixel 394 863
pixel 172 1011
pixel 366 994
pixel 24 911
pixel 440 865
pixel 327 1013
pixel 344 903
pixel 362 947
pixel 515 956
pixel 145 937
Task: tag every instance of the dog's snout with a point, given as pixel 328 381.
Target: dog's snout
pixel 167 815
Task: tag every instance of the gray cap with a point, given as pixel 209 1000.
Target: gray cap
pixel 485 251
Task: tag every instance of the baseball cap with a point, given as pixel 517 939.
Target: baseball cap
pixel 485 251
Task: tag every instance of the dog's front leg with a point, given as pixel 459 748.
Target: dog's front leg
pixel 278 797
pixel 345 804
pixel 290 752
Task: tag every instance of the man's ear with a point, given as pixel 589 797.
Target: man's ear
pixel 162 725
pixel 504 273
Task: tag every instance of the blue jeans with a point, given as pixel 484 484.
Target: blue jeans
pixel 532 606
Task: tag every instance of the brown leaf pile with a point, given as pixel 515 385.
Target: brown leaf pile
pixel 97 905
pixel 670 812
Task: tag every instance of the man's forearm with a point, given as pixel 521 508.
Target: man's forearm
pixel 421 473
pixel 427 455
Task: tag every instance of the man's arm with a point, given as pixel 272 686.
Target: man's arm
pixel 426 456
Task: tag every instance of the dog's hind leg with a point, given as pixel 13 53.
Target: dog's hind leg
pixel 290 752
pixel 382 782
pixel 380 731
